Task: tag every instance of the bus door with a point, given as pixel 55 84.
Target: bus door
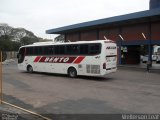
pixel 21 55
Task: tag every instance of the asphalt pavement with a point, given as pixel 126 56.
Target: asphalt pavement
pixel 126 91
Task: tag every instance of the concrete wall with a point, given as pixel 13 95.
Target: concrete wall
pixel 11 54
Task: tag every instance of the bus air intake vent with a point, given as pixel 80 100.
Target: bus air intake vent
pixel 94 69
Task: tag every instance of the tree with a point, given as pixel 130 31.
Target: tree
pixel 15 46
pixel 4 56
pixel 5 29
pixel 28 40
pixel 12 38
pixel 5 43
pixel 5 38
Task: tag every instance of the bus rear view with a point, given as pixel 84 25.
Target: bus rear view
pixel 110 57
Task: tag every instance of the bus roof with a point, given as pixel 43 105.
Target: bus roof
pixel 64 43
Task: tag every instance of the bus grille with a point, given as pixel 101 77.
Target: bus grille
pixel 94 69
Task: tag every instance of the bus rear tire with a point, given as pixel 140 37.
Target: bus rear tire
pixel 29 69
pixel 72 72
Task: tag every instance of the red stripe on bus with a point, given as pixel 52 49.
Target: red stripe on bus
pixel 42 59
pixel 37 58
pixel 79 60
pixel 57 59
pixel 75 60
pixel 71 59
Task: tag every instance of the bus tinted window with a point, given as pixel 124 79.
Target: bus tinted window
pixel 59 49
pixel 45 50
pixel 38 50
pixel 50 50
pixel 83 49
pixel 29 51
pixel 72 49
pixel 95 48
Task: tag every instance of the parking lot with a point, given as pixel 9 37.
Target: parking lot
pixel 126 91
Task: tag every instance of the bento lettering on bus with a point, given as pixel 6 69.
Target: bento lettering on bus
pixel 111 47
pixel 57 59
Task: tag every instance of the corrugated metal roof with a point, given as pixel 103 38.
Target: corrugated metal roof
pixel 111 20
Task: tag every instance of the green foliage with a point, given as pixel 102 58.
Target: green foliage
pixel 7 45
pixel 12 38
pixel 28 40
pixel 15 46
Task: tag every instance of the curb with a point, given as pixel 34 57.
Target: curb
pixel 152 70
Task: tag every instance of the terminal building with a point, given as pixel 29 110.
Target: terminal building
pixel 136 34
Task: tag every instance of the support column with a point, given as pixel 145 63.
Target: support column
pixel 149 44
pixel 119 54
pixel 119 43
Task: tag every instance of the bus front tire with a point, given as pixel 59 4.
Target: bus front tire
pixel 29 69
pixel 72 72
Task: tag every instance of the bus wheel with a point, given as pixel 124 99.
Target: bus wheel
pixel 29 69
pixel 72 72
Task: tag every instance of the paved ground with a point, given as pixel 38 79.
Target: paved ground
pixel 126 91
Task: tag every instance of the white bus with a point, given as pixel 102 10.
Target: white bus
pixel 89 58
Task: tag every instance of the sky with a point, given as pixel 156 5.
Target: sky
pixel 40 15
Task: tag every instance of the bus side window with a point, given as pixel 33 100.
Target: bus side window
pixel 27 50
pixel 30 50
pixel 83 49
pixel 72 49
pixel 95 48
pixel 50 50
pixel 38 51
pixel 60 49
pixel 45 50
